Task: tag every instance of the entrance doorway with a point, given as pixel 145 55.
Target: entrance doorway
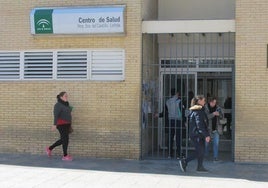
pixel 210 82
pixel 189 74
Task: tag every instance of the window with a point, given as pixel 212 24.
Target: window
pixel 72 64
pixel 38 65
pixel 105 65
pixel 9 65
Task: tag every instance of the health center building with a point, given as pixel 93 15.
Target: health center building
pixel 119 60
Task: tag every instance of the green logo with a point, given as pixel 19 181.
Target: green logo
pixel 43 21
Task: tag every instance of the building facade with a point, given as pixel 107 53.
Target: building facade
pixel 118 81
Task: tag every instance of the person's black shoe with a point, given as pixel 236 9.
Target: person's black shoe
pixel 178 156
pixel 201 170
pixel 183 165
pixel 182 156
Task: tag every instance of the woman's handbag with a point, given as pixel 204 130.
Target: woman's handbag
pixel 223 121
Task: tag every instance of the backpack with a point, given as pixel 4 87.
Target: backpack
pixel 179 108
pixel 179 111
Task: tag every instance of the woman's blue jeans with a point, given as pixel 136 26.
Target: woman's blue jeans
pixel 215 139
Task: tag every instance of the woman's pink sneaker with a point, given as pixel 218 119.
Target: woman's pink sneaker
pixel 67 158
pixel 48 152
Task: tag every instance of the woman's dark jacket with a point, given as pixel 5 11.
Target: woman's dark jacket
pixel 62 112
pixel 198 122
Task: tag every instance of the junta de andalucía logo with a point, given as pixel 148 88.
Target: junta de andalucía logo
pixel 43 21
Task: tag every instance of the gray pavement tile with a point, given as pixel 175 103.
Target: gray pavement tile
pixel 40 171
pixel 59 177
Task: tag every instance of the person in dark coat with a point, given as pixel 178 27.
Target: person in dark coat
pixel 62 122
pixel 199 133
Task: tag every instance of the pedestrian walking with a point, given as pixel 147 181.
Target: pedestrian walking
pixel 199 134
pixel 62 122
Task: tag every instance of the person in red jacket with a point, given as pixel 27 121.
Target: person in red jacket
pixel 62 122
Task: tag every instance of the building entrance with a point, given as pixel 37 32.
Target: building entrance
pixel 208 76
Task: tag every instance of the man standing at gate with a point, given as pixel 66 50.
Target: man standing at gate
pixel 175 110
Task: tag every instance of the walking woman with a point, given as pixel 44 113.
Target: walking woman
pixel 62 122
pixel 199 134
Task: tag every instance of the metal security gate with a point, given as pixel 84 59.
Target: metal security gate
pixel 182 82
pixel 191 64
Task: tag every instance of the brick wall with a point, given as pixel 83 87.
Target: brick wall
pixel 251 81
pixel 106 116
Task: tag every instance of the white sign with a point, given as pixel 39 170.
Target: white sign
pixel 88 20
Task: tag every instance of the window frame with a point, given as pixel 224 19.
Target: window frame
pixel 120 65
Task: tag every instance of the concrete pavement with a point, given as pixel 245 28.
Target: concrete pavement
pixel 25 171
